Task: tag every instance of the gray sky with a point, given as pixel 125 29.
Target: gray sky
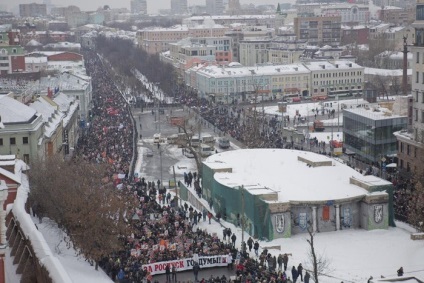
pixel 152 5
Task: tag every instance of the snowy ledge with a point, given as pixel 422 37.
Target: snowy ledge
pixel 42 251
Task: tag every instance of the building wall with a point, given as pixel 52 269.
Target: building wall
pixel 318 30
pixel 32 10
pixel 27 151
pixel 371 139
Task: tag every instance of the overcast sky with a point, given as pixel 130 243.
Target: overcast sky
pixel 152 5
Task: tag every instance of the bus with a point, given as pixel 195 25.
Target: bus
pixel 344 93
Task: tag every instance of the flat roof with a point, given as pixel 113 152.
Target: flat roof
pixel 279 170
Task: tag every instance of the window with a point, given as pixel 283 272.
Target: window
pixel 12 141
pixel 416 96
pixel 418 57
pixel 417 75
pixel 25 140
pixel 416 115
pixel 1 142
pixel 422 116
pixel 422 79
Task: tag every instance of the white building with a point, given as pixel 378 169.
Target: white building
pixel 238 83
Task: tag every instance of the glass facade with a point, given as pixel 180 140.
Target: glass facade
pixel 369 137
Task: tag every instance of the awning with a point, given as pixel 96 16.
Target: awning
pixel 391 165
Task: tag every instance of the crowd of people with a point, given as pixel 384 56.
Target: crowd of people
pixel 163 227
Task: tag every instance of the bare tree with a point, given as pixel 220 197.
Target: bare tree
pixel 79 197
pixel 320 265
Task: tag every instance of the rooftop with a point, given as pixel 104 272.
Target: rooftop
pixel 278 170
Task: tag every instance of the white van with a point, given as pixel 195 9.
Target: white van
pixel 208 139
pixel 223 142
pixel 195 141
pixel 205 150
pixel 156 138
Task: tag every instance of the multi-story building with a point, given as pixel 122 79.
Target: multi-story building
pixel 32 10
pixel 156 40
pixel 350 14
pixel 179 7
pixel 139 7
pixel 237 82
pixel 189 51
pixel 411 141
pixel 358 34
pixel 336 78
pixel 369 133
pixel 254 51
pixel 390 36
pixel 12 57
pixel 396 15
pixel 22 131
pixel 270 21
pixel 234 7
pixel 239 33
pixel 215 7
pixel 319 30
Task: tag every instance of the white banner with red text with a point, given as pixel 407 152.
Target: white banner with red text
pixel 186 264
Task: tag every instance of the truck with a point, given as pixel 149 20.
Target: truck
pixel 318 126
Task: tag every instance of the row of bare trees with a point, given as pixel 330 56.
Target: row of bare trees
pixel 81 200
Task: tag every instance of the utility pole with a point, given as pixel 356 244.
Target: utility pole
pixel 176 187
pixel 242 214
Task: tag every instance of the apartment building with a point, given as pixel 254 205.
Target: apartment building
pixel 411 140
pixel 32 10
pixel 350 14
pixel 396 15
pixel 189 51
pixel 179 7
pixel 156 40
pixel 270 21
pixel 215 7
pixel 319 30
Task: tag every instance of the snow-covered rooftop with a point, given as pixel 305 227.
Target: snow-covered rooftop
pixel 386 72
pixel 279 170
pixel 13 111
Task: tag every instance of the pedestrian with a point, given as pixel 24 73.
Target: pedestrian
pixel 218 216
pixel 400 271
pixel 307 277
pixel 285 261
pixel 256 248
pixel 250 243
pixel 294 274
pixel 209 216
pixel 280 262
pixel 168 273
pixel 299 271
pixel 174 274
pixel 233 239
pixel 205 214
pixel 196 269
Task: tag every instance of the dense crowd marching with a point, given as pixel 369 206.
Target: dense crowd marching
pixel 164 229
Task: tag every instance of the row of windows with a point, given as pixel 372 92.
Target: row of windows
pixel 408 149
pixel 339 74
pixel 12 141
pixel 346 81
